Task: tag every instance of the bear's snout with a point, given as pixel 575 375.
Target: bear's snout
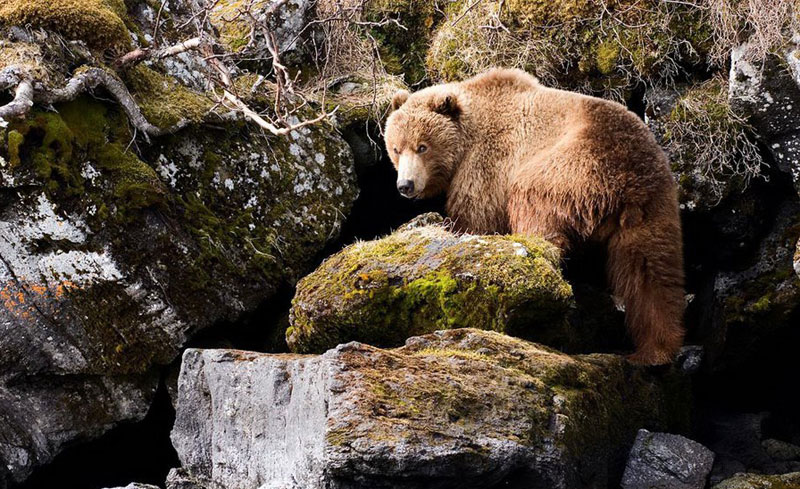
pixel 406 188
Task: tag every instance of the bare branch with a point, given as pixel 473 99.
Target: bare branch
pixel 140 54
pixel 92 78
pixel 252 115
pixel 22 103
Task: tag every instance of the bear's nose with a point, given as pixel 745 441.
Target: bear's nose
pixel 406 187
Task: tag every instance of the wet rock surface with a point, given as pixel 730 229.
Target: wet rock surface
pixel 458 408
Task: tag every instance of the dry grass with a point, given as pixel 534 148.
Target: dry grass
pixel 710 144
pixel 351 54
pixel 763 24
pixel 604 46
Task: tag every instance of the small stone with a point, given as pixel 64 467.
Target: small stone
pixel 781 450
pixel 667 461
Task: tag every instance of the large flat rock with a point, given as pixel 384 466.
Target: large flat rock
pixel 460 408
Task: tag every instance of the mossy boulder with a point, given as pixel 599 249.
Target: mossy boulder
pixel 100 23
pixel 589 45
pixel 423 278
pixel 461 408
pixel 112 258
pixel 761 481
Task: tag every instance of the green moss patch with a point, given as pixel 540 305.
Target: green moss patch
pixel 100 23
pixel 590 45
pixel 423 279
pixel 164 101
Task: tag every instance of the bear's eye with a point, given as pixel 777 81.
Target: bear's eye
pixel 395 151
pixel 421 149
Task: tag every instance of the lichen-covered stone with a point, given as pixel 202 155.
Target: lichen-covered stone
pixel 754 303
pixel 115 249
pixel 424 278
pixel 111 259
pixel 768 95
pixel 667 461
pixel 460 409
pixel 234 20
pixel 759 481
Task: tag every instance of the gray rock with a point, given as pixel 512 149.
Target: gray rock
pixel 769 95
pixel 289 24
pixel 666 461
pixel 781 450
pixel 135 485
pixel 755 302
pixel 459 408
pixel 110 260
pixel 760 481
pixel 690 358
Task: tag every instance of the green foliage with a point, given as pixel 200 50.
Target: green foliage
pixel 164 101
pixel 403 32
pixel 588 45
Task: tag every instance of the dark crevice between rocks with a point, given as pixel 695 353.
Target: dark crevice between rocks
pixel 139 452
pixel 379 208
pixel 261 330
pixel 738 409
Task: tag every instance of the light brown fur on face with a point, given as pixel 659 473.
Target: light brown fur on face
pixel 514 156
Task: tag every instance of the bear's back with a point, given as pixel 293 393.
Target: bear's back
pixel 501 79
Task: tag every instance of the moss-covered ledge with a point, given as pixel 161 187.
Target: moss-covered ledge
pixel 421 279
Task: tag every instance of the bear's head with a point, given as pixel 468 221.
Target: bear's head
pixel 424 140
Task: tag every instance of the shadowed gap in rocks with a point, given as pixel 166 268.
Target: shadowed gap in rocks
pixel 130 452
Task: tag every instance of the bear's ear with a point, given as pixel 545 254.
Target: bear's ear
pixel 445 104
pixel 399 99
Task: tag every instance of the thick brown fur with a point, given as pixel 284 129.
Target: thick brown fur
pixel 515 156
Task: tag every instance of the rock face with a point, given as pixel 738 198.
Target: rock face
pixel 423 278
pixel 759 300
pixel 737 440
pixel 769 96
pixel 666 461
pixel 108 265
pixel 459 408
pixel 758 481
pixel 287 23
pixel 110 259
pixel 708 144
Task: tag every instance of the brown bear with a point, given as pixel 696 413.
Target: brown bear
pixel 515 156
